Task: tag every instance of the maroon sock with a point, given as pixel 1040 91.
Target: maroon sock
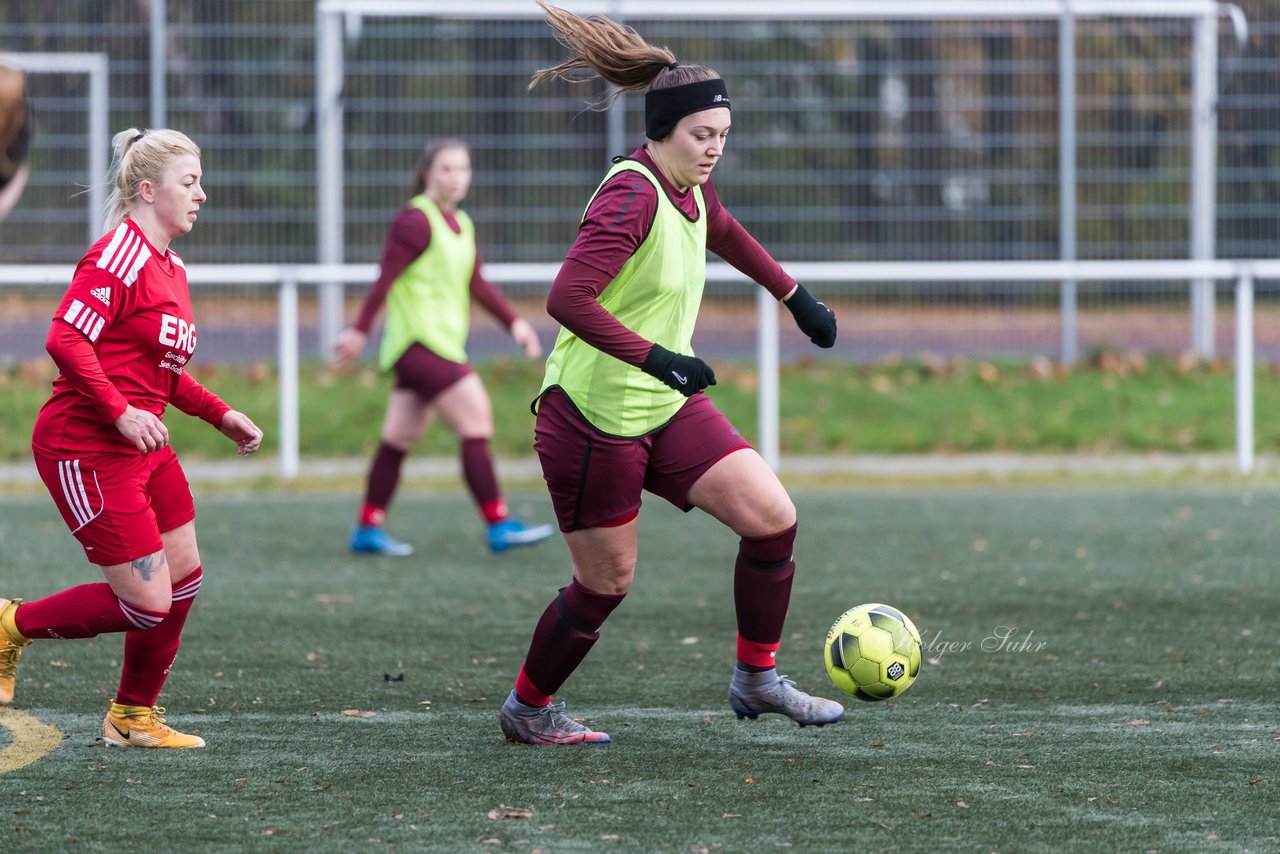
pixel 384 477
pixel 477 470
pixel 565 634
pixel 761 592
pixel 149 655
pixel 82 612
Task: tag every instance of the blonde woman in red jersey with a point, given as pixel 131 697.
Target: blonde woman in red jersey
pixel 122 338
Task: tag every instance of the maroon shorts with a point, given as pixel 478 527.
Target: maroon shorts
pixel 596 479
pixel 117 505
pixel 426 374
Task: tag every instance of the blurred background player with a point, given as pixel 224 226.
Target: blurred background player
pixel 15 137
pixel 622 409
pixel 122 338
pixel 430 272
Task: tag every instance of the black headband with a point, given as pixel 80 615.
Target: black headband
pixel 663 108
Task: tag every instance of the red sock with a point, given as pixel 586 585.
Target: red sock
pixel 567 630
pixel 82 612
pixel 762 578
pixel 384 477
pixel 149 655
pixel 477 471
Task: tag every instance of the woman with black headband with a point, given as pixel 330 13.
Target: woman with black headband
pixel 621 408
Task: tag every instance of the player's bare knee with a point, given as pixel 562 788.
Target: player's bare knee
pixel 155 601
pixel 609 576
pixel 772 516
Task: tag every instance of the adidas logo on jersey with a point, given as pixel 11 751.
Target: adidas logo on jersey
pixel 103 294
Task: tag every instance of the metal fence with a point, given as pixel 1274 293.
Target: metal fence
pixel 281 285
pixel 856 139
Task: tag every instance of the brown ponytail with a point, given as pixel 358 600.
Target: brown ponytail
pixel 614 53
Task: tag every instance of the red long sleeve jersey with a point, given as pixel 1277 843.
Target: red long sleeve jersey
pixel 122 335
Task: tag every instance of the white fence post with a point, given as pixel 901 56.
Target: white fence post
pixel 288 368
pixel 767 373
pixel 1244 373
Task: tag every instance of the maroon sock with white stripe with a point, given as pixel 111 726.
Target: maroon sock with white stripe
pixel 149 655
pixel 82 612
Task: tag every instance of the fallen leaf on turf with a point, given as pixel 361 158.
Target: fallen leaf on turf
pixel 504 812
pixel 748 779
pixel 962 805
pixel 1253 781
pixel 1026 734
pixel 356 713
pixel 878 745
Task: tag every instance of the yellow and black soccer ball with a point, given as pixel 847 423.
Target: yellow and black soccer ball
pixel 873 652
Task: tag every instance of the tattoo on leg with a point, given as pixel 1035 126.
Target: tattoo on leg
pixel 148 566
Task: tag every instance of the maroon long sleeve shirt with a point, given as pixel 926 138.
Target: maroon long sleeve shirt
pixel 616 224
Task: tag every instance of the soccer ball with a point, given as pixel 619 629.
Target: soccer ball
pixel 873 652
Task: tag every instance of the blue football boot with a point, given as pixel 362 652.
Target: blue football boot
pixel 510 533
pixel 375 541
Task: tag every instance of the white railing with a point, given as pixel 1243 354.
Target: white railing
pixel 287 279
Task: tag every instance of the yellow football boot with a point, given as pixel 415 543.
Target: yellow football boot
pixel 11 644
pixel 143 726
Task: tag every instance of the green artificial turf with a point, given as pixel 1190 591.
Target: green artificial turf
pixel 1129 707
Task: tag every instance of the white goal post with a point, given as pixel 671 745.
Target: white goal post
pixel 96 66
pixel 338 20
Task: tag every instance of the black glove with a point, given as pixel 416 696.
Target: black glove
pixel 686 374
pixel 814 318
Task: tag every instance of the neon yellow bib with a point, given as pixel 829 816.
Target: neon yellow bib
pixel 430 302
pixel 656 294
